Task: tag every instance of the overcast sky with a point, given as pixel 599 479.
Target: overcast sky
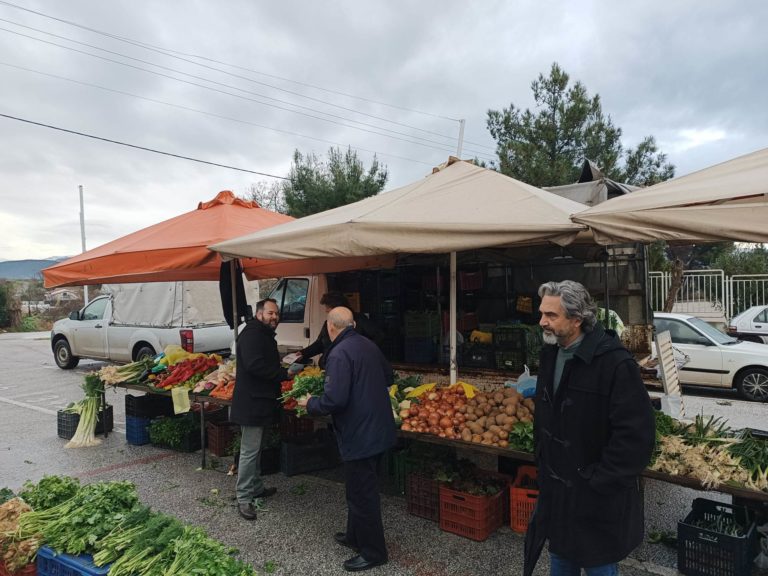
pixel 244 83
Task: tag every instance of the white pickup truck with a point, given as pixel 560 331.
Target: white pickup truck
pixel 133 321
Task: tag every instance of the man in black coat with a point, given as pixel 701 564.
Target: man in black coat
pixel 255 403
pixel 356 395
pixel 594 430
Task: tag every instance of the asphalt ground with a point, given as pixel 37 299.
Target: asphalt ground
pixel 294 531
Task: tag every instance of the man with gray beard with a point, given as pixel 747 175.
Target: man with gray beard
pixel 594 430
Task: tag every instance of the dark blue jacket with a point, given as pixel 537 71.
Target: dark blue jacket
pixel 356 395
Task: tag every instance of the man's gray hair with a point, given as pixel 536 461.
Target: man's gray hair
pixel 575 299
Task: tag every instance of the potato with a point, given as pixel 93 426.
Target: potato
pixel 476 438
pixel 486 409
pixel 501 418
pixel 487 435
pixel 509 410
pixel 498 397
pixel 508 392
pixel 466 435
pixel 503 443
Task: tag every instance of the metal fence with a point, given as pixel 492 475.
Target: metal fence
pixel 709 292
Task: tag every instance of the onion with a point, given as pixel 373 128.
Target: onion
pixel 445 422
pixel 405 427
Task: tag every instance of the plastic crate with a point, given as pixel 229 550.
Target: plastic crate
pixel 510 337
pixel 190 441
pixel 704 552
pixel 479 356
pixel 270 461
pixel 292 427
pixel 474 517
pixel 522 498
pixel 419 350
pixel 148 406
pixel 220 436
pixel 28 570
pixel 302 458
pixel 66 422
pixel 421 325
pixel 422 495
pixel 137 430
pixel 51 564
pixel 398 464
pixel 469 281
pixel 512 360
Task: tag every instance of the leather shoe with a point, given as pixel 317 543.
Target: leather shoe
pixel 358 564
pixel 267 492
pixel 247 511
pixel 341 538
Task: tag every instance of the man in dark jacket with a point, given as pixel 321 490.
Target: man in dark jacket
pixel 255 402
pixel 357 378
pixel 363 325
pixel 594 429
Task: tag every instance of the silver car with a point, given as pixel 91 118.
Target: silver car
pixel 716 359
pixel 752 325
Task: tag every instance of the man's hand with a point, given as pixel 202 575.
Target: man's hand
pixel 303 400
pixel 295 368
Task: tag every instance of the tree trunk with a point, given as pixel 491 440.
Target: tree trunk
pixel 675 284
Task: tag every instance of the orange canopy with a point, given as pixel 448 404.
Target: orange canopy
pixel 171 250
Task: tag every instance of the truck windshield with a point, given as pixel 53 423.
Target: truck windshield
pixel 291 297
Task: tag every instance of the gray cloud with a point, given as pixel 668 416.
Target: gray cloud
pixel 690 73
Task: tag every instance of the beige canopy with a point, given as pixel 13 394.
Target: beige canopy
pixel 728 201
pixel 459 207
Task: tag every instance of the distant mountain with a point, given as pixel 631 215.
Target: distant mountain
pixel 24 269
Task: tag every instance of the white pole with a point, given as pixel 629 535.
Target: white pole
pixel 461 138
pixel 82 238
pixel 452 323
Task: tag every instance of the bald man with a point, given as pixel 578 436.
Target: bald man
pixel 357 378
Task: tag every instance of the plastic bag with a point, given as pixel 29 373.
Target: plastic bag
pixel 526 384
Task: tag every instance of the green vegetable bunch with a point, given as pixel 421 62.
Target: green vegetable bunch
pixel 75 525
pixel 49 492
pixel 172 432
pixel 304 384
pixel 521 437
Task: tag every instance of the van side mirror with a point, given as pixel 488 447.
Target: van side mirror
pixel 74 315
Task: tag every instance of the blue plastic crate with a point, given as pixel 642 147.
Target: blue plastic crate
pixel 51 564
pixel 137 430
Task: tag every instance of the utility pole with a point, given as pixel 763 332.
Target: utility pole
pixel 461 138
pixel 82 238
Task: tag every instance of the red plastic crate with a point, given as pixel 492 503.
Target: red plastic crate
pixel 28 570
pixel 293 427
pixel 469 281
pixel 474 517
pixel 220 437
pixel 423 497
pixel 522 501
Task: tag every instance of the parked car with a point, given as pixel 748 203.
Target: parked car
pixel 752 325
pixel 715 358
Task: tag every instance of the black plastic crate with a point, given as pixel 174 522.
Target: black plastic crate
pixel 479 357
pixel 512 360
pixel 510 337
pixel 420 350
pixel 321 454
pixel 137 430
pixel 148 406
pixel 66 422
pixel 706 552
pixel 270 460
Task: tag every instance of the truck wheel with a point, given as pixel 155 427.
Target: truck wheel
pixel 753 384
pixel 145 351
pixel 62 353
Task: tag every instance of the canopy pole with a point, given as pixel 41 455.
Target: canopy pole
pixel 607 319
pixel 452 323
pixel 233 277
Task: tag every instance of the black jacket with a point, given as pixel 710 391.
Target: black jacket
pixel 258 377
pixel 363 325
pixel 593 439
pixel 356 395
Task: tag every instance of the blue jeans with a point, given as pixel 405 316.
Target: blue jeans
pixel 249 483
pixel 559 566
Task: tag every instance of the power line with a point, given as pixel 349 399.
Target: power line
pixel 168 51
pixel 140 147
pixel 175 54
pixel 435 145
pixel 212 114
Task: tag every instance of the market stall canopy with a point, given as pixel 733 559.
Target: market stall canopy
pixel 459 207
pixel 728 201
pixel 171 250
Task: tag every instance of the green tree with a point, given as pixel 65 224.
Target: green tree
pixel 547 146
pixel 268 195
pixel 314 186
pixel 743 259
